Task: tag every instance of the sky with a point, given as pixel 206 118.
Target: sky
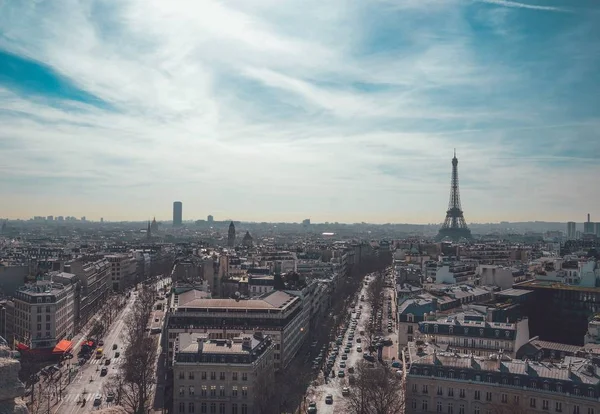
pixel 270 110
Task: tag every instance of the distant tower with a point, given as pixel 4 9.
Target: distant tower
pixel 231 235
pixel 247 241
pixel 177 213
pixel 454 226
pixel 149 232
pixel 210 219
pixel 154 226
pixel 571 230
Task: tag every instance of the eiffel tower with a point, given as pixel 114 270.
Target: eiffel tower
pixel 455 226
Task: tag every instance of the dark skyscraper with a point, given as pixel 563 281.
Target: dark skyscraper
pixel 177 213
pixel 455 226
pixel 231 235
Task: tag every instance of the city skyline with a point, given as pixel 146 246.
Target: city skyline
pixel 117 109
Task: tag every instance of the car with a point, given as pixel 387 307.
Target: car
pixel 115 346
pixel 97 400
pixel 107 362
pixel 312 408
pixel 101 343
pixel 155 319
pixel 358 340
pixel 117 354
pixel 396 364
pixel 341 373
pixel 329 399
pixel 345 391
pixel 358 349
pixel 110 396
pixel 351 370
pixel 342 364
pixel 344 357
pixel 103 371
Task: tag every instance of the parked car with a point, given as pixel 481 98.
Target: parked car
pixel 329 399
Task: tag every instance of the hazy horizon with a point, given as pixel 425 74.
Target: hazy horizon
pixel 279 111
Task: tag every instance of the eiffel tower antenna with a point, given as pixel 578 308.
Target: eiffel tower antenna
pixel 455 226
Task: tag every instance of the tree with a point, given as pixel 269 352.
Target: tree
pixel 265 392
pixel 508 408
pixel 376 390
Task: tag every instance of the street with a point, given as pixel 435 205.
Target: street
pixel 319 390
pixel 81 386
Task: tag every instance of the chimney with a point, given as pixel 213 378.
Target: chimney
pixel 588 217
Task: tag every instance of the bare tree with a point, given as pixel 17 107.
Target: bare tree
pixel 265 392
pixel 376 390
pixel 133 386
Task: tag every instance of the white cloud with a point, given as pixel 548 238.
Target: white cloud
pixel 259 110
pixel 514 4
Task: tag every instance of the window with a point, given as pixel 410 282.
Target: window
pixel 461 409
pixel 532 402
pixel 424 405
pixel 517 382
pixel 466 331
pixel 590 410
pixel 191 391
pixel 533 384
pixel 558 407
pixel 516 400
pixel 221 391
pixel 435 328
pixel 234 376
pixel 203 375
pixel 477 377
pixel 414 404
pixel 575 409
pixel 213 375
pixel 182 407
pixel 221 408
pixel 181 391
pixel 244 376
pixel 504 398
pixel 451 329
pixel 507 333
pixel 559 387
pixel 234 391
pixel 39 318
pixel 414 388
pixel 591 392
pixel 213 408
pixel 191 407
pixel 462 393
pixel 203 391
pixel 476 410
pixel 222 376
pixel 477 394
pixel 191 376
pixel 440 391
pixel 425 389
pixel 450 408
pixel 439 407
pixel 488 396
pixel 234 409
pixel 450 392
pixel 545 404
pixel 410 330
pixel 203 408
pixel 244 409
pixel 39 326
pixel 244 392
pixel 213 391
pixel 497 333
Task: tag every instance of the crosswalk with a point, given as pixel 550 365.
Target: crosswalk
pixel 116 361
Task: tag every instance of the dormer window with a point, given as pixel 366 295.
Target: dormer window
pixel 497 332
pixel 466 331
pixel 481 331
pixel 451 329
pixel 435 328
pixel 507 333
pixel 517 382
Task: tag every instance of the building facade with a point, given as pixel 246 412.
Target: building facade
pixel 220 375
pixel 43 314
pixel 277 314
pixel 463 384
pixel 93 274
pixel 123 270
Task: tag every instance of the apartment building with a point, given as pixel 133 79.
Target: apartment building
pixel 43 314
pixel 444 382
pixel 93 274
pixel 221 376
pixel 470 332
pixel 123 269
pixel 278 314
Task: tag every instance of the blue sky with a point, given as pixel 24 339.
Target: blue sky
pixel 268 110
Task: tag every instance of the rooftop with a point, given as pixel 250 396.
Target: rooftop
pixel 276 300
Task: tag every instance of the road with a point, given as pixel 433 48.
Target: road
pixel 80 383
pixel 334 386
